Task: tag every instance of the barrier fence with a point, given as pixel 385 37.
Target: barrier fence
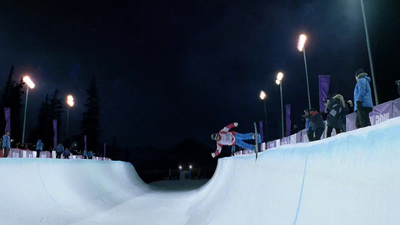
pixel 24 153
pixel 379 114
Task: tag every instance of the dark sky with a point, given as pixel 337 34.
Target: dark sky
pixel 174 70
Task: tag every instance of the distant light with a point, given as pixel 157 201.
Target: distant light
pixel 180 167
pixel 263 95
pixel 301 43
pixel 278 82
pixel 70 100
pixel 190 167
pixel 279 76
pixel 28 82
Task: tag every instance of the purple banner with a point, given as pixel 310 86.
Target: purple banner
pixel 84 139
pixel 7 114
pixel 285 140
pixel 380 113
pixel 351 121
pixel 299 137
pixel 323 81
pixel 272 144
pixel 261 131
pixel 396 107
pixel 55 133
pixel 288 121
pixel 293 138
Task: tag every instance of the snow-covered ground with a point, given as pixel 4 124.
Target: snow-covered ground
pixel 351 178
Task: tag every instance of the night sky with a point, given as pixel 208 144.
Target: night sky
pixel 174 70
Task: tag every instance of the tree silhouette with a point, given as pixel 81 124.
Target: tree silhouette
pixel 11 98
pixel 90 124
pixel 50 109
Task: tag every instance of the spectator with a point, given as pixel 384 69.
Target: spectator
pixel 85 154
pixel 363 99
pixel 59 150
pixel 336 114
pixel 66 153
pixel 39 148
pixel 350 106
pixel 90 155
pixel 316 122
pixel 6 144
pixel 309 130
pixel 295 129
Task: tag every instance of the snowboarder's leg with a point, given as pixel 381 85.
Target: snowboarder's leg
pixel 241 143
pixel 247 136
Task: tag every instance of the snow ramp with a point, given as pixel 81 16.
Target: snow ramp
pixel 351 178
pixel 59 191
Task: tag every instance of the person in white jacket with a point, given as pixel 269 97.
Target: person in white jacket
pixel 226 137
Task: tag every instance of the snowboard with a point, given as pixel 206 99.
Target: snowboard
pixel 256 139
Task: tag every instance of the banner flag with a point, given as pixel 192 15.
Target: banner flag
pixel 323 81
pixel 84 138
pixel 288 121
pixel 7 115
pixel 55 133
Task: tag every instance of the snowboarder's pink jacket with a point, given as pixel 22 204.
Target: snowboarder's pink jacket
pixel 226 137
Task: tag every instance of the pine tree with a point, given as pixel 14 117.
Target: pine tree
pixel 11 98
pixel 90 124
pixel 49 110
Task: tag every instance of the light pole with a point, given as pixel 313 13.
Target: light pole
pixel 27 80
pixel 301 48
pixel 278 81
pixel 369 53
pixel 263 97
pixel 70 103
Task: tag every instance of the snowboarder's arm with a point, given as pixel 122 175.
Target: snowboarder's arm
pixel 219 148
pixel 230 126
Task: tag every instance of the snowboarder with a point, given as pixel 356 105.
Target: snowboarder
pixel 316 122
pixel 363 99
pixel 224 137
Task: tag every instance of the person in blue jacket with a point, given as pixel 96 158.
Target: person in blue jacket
pixel 363 99
pixel 6 144
pixel 66 153
pixel 85 154
pixel 59 150
pixel 90 155
pixel 39 148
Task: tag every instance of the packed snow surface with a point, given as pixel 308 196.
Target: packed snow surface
pixel 351 178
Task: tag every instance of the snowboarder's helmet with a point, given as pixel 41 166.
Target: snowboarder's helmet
pixel 214 137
